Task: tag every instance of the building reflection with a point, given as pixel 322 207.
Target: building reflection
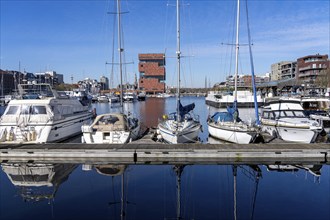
pixel 152 111
pixel 37 182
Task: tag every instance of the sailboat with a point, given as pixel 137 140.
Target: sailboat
pixel 180 126
pixel 113 128
pixel 227 125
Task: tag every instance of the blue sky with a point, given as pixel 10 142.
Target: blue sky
pixel 75 37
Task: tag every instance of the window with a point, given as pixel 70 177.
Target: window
pixel 39 110
pixel 12 110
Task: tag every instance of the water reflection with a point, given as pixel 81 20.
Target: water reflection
pixel 180 191
pixel 37 182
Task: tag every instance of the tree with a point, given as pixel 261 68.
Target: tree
pixel 323 79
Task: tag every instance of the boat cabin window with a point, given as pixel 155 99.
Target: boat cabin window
pixel 12 110
pixel 287 114
pixel 36 110
pixel 30 178
pixel 268 115
pixel 299 114
pixel 26 110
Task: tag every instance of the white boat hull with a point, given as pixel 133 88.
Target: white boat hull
pixel 185 135
pixel 52 131
pixel 110 137
pixel 229 134
pixel 111 128
pixel 301 135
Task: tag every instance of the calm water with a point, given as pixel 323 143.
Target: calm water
pixel 91 190
pixel 151 192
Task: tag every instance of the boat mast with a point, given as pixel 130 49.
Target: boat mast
pixel 178 53
pixel 2 84
pixel 120 50
pixel 236 54
pixel 256 112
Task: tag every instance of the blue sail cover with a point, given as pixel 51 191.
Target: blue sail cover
pixel 230 115
pixel 185 109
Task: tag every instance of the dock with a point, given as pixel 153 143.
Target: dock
pixel 159 153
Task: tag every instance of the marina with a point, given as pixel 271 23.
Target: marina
pixel 156 110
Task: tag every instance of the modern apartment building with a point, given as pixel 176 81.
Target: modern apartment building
pixel 309 67
pixel 152 73
pixel 283 70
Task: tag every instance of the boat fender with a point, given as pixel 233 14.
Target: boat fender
pixel 33 134
pixel 11 135
pixel 165 117
pixel 3 135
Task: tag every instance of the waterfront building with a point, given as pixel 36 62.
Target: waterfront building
pixel 104 81
pixel 90 85
pixel 9 81
pixel 152 73
pixel 309 67
pixel 49 77
pixel 245 81
pixel 283 70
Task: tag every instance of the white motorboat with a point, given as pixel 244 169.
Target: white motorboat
pixel 163 95
pixel 42 116
pixel 318 108
pixel 284 118
pixel 103 98
pixel 129 97
pixel 181 126
pixel 111 128
pixel 245 99
pixel 141 96
pixel 227 126
pixel 113 98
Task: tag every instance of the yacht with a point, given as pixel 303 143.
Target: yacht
pixel 245 99
pixel 318 108
pixel 113 98
pixel 129 97
pixel 111 128
pixel 141 96
pixel 114 128
pixel 284 118
pixel 103 98
pixel 41 115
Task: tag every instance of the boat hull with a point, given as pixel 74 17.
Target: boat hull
pixel 52 131
pixel 291 134
pixel 188 135
pixel 230 134
pixel 109 137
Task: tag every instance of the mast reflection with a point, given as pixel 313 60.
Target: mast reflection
pixel 113 170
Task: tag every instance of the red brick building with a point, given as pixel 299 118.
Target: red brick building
pixel 309 67
pixel 152 73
